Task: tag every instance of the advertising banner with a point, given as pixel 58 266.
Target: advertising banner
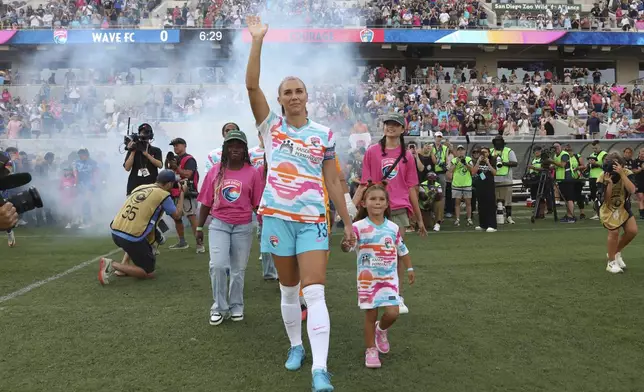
pixel 532 8
pixel 321 35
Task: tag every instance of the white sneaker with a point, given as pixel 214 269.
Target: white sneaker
pixel 402 308
pixel 201 249
pixel 437 227
pixel 509 220
pixel 237 317
pixel 457 222
pixel 491 230
pixel 11 238
pixel 84 227
pixel 216 318
pixel 478 228
pixel 69 226
pixel 469 222
pixel 21 222
pixel 619 260
pixel 613 267
pixel 595 217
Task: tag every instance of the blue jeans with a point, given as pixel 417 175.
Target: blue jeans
pixel 268 265
pixel 229 250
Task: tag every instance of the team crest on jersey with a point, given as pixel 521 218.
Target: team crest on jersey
pixel 389 243
pixel 315 141
pixel 231 190
pixel 274 241
pixel 386 166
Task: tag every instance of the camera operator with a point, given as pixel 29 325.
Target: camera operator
pixel 461 173
pixel 133 228
pixel 504 159
pixel 185 166
pixel 595 163
pixel 538 164
pixel 143 160
pixel 565 180
pixel 577 162
pixel 615 187
pixel 439 155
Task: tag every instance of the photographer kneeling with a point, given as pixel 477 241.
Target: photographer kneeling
pixel 133 228
pixel 614 189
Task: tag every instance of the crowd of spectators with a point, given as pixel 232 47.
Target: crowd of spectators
pixel 76 14
pixel 452 14
pixel 469 101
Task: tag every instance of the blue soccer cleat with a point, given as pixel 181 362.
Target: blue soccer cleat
pixel 321 381
pixel 295 358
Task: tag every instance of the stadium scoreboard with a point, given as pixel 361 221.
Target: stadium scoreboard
pixel 323 36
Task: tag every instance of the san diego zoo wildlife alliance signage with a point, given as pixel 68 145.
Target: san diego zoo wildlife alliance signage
pixel 535 8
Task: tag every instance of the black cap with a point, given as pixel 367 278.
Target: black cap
pixel 178 140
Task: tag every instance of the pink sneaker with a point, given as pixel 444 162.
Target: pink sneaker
pixel 382 344
pixel 371 359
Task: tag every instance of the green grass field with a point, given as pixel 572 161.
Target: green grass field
pixel 529 308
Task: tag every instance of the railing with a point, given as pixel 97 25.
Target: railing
pixel 508 24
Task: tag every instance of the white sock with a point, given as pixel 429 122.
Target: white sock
pixel 318 325
pixel 291 313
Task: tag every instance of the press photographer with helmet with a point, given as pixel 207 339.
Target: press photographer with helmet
pixel 185 167
pixel 133 228
pixel 614 189
pixel 143 160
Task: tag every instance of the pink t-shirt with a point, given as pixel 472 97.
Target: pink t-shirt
pixel 240 193
pixel 400 181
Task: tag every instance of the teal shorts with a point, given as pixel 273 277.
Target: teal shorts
pixel 286 238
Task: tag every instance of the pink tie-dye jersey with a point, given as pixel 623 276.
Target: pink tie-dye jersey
pixel 294 185
pixel 378 248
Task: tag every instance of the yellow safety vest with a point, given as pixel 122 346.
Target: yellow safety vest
pixel 505 158
pixel 138 210
pixel 462 175
pixel 536 162
pixel 560 172
pixel 595 172
pixel 442 158
pixel 574 164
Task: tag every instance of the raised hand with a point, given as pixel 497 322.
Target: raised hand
pixel 256 29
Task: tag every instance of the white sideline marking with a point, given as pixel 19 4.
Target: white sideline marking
pixel 43 282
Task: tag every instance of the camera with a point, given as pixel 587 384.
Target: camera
pixel 464 161
pixel 140 138
pixel 499 162
pixel 24 201
pixel 608 166
pixel 140 142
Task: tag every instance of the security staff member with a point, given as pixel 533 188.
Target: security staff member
pixel 144 165
pixel 595 163
pixel 439 155
pixel 535 168
pixel 504 159
pixel 133 227
pixel 577 162
pixel 565 180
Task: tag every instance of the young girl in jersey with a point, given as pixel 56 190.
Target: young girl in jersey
pixel 379 246
pixel 391 159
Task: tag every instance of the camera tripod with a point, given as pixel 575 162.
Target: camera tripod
pixel 545 190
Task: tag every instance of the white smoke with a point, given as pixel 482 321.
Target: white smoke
pixel 320 66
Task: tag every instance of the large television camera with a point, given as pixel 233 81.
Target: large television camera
pixel 141 138
pixel 24 201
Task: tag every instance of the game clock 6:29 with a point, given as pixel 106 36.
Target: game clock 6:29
pixel 211 35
